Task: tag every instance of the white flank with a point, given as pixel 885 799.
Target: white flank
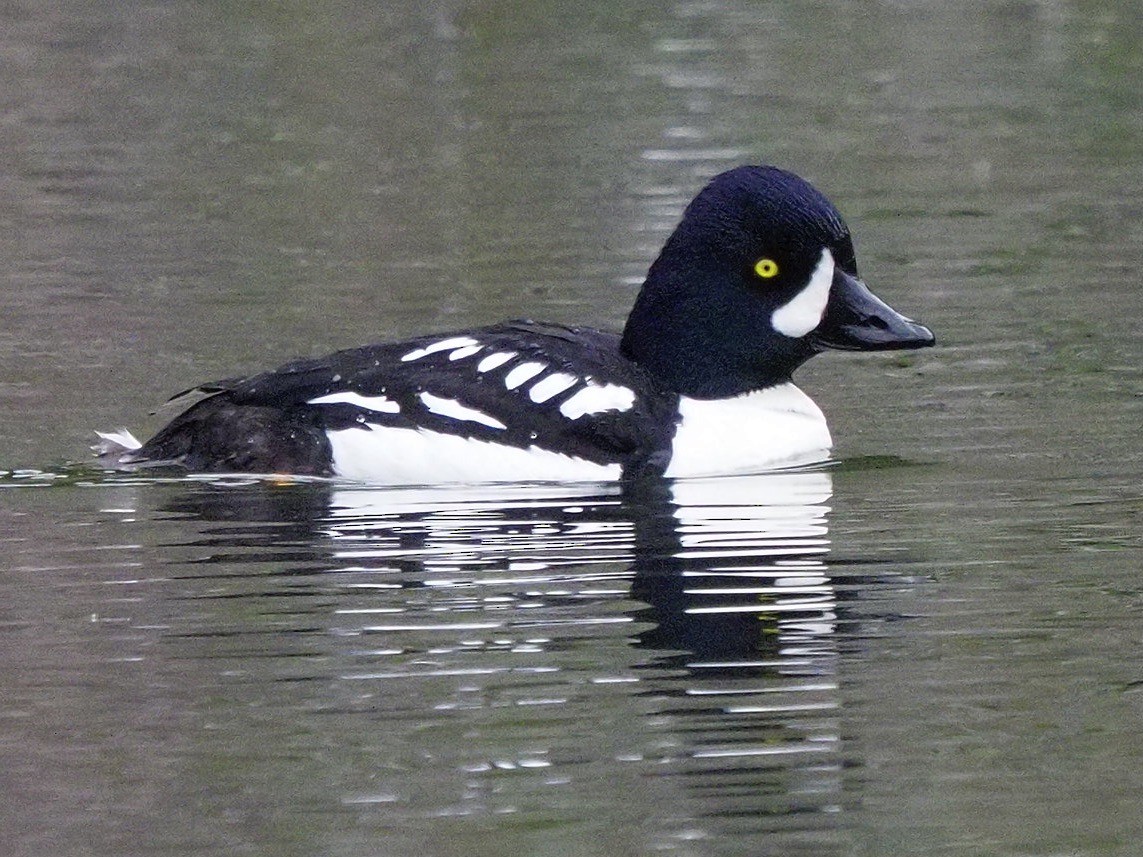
pixel 553 385
pixel 767 429
pixel 397 456
pixel 443 345
pixel 378 404
pixel 454 409
pixel 121 438
pixel 494 360
pixel 467 351
pixel 597 398
pixel 523 372
pixel 804 311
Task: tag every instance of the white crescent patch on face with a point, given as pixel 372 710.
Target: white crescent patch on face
pixel 804 311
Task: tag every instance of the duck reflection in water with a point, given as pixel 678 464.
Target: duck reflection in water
pixel 731 642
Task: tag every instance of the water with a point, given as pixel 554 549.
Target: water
pixel 931 647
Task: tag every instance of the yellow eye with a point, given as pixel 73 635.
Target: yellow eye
pixel 766 268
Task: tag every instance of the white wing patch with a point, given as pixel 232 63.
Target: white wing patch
pixel 523 372
pixel 383 455
pixel 467 351
pixel 804 311
pixel 764 430
pixel 597 398
pixel 550 386
pixel 377 404
pixel 455 342
pixel 455 410
pixel 492 361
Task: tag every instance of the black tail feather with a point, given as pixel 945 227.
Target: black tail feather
pixel 216 435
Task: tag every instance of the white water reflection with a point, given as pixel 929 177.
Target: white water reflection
pixel 661 661
pixel 489 588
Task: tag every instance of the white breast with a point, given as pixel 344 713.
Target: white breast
pixel 767 429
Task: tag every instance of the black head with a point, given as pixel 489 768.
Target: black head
pixel 758 277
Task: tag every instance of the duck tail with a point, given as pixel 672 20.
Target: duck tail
pixel 114 448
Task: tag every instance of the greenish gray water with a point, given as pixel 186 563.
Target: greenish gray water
pixel 932 648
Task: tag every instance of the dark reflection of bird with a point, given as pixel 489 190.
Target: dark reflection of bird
pixel 758 277
pixel 728 693
pixel 747 572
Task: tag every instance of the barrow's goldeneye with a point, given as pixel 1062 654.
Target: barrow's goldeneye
pixel 758 277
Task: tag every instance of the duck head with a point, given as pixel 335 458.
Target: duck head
pixel 759 275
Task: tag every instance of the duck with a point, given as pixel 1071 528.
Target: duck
pixel 759 275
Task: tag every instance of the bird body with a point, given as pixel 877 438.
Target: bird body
pixel 759 276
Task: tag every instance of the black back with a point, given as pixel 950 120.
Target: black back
pixel 266 422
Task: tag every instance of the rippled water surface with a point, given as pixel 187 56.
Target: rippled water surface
pixel 933 646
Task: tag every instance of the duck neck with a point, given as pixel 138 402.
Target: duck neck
pixel 698 346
